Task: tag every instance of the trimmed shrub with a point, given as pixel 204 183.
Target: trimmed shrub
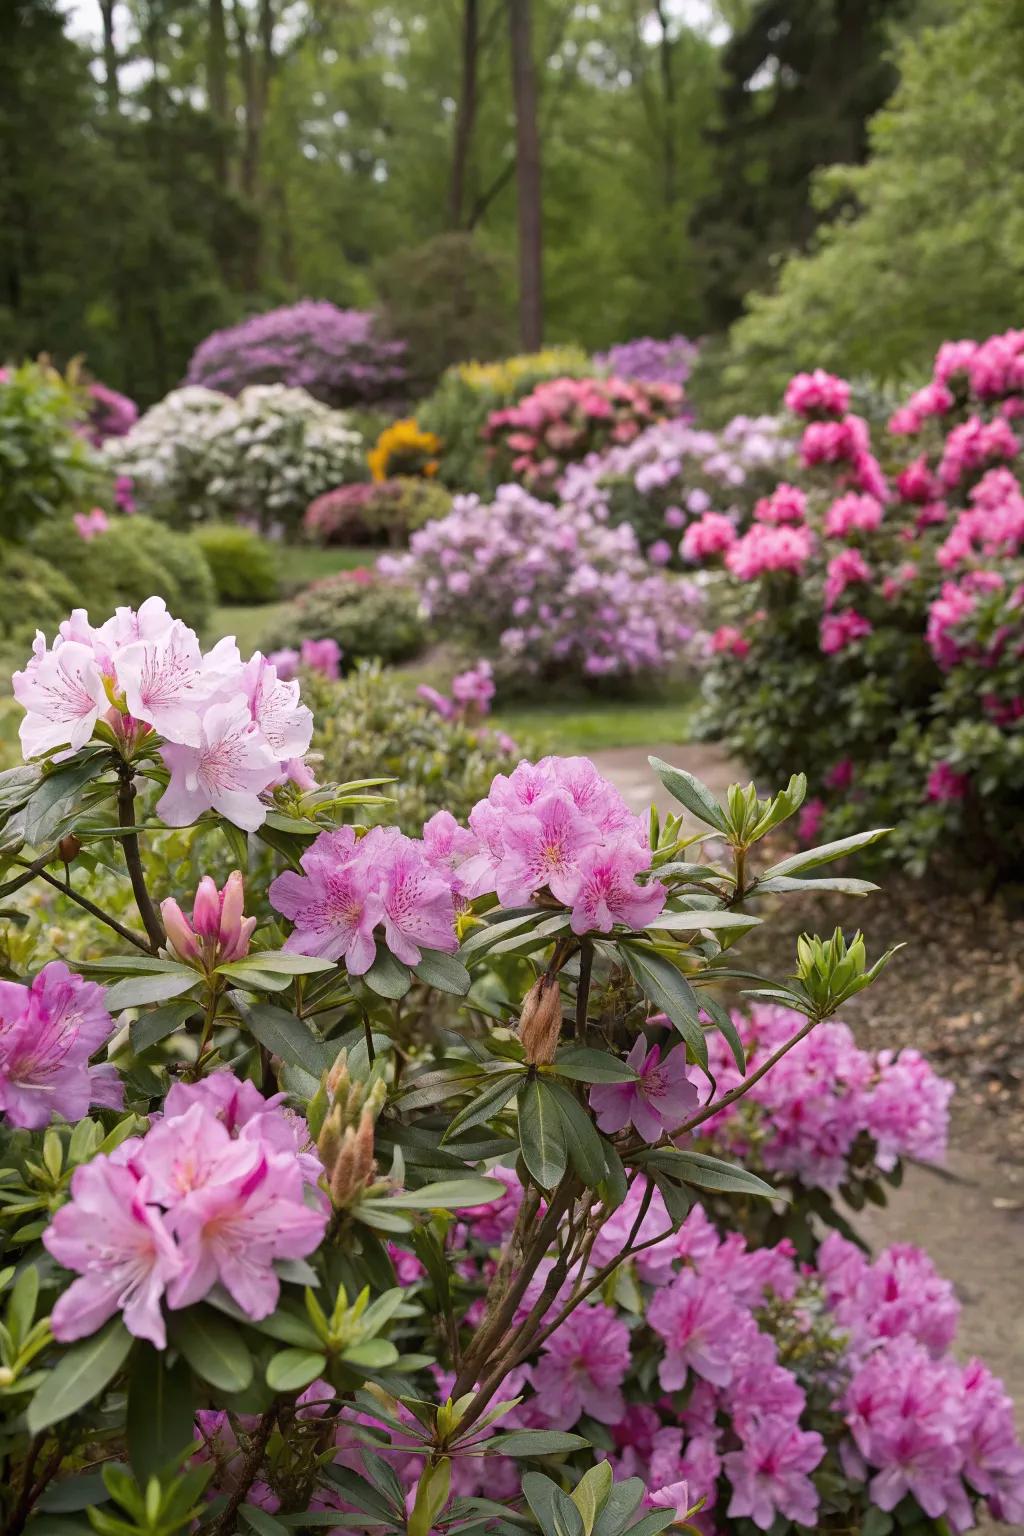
pixel 338 355
pixel 35 596
pixel 369 512
pixel 366 616
pixel 133 559
pixel 241 563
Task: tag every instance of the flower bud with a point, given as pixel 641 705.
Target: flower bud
pixel 329 1141
pixel 206 909
pixel 69 848
pixel 179 932
pixel 540 1022
pixel 354 1165
pixel 338 1079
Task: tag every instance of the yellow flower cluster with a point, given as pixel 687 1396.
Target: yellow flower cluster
pixel 404 449
pixel 502 378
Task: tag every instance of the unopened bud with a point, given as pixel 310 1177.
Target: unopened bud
pixel 338 1079
pixel 329 1141
pixel 540 1022
pixel 7 1376
pixel 69 848
pixel 353 1166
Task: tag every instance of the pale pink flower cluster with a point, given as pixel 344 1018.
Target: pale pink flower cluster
pixel 48 1032
pixel 766 548
pixel 89 524
pixel 229 730
pixel 350 887
pixel 558 825
pixel 472 692
pixel 217 1191
pixel 817 394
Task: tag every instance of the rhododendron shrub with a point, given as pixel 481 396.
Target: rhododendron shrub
pixel 652 362
pixel 564 420
pixel 888 581
pixel 667 480
pixel 249 1142
pixel 551 591
pixel 338 355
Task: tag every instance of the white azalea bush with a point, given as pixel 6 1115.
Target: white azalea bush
pixel 263 457
pixel 309 1173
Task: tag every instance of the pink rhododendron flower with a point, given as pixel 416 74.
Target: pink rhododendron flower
pixel 48 1032
pixel 839 630
pixel 63 695
pixel 769 1475
pixel 89 524
pixel 945 784
pixel 275 706
pixel 700 1329
pixel 786 504
pixel 661 1098
pixel 917 483
pixel 843 570
pixel 852 514
pixel 840 776
pixel 834 442
pixel 605 888
pixel 660 552
pixel 766 548
pixel 817 393
pixel 225 772
pixel 582 1367
pixel 475 687
pixel 809 821
pixel 973 444
pixel 322 656
pixel 218 932
pixel 727 639
pixel 713 534
pixel 118 1244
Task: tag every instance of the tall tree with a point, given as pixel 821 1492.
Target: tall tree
pixel 528 177
pixel 465 112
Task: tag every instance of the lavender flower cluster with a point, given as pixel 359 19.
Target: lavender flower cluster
pixel 551 590
pixel 649 361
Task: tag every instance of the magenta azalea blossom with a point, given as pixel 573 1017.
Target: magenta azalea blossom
pixel 582 1367
pixel 661 1097
pixel 48 1032
pixel 606 891
pixel 332 904
pixel 118 1244
pixel 770 1475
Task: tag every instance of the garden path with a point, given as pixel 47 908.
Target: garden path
pixel 970 1216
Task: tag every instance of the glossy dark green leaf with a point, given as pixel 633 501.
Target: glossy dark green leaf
pixel 488 1100
pixel 690 792
pixel 711 1173
pixel 535 1442
pixel 290 1370
pixel 671 993
pixel 444 972
pixel 155 1025
pixel 288 1037
pixel 810 858
pixel 586 1149
pixel 387 976
pixel 542 1133
pixel 213 1347
pixel 156 988
pixel 57 796
pixel 723 1020
pixel 80 1374
pixel 160 1418
pixel 585 1065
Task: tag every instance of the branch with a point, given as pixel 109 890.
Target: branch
pixel 133 858
pixel 89 906
pixel 253 1456
pixel 741 1088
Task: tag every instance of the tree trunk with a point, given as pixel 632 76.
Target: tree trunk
pixel 668 91
pixel 111 83
pixel 466 111
pixel 217 84
pixel 528 177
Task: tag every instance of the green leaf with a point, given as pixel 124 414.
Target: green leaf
pixel 591 1493
pixel 448 1194
pixel 443 972
pixel 723 1019
pixel 542 1133
pixel 79 1375
pixel 292 1369
pixel 671 993
pixel 621 1502
pixel 650 1525
pixel 535 1442
pixel 710 1173
pixel 387 976
pixel 160 1416
pixel 213 1348
pixel 556 1514
pixel 155 988
pixel 585 1065
pixel 810 858
pixel 712 918
pixel 485 1104
pixel 282 961
pixel 152 1027
pixel 57 796
pixel 690 792
pixel 492 933
pixel 585 1147
pixel 261 1522
pixel 371 1354
pixel 288 1037
pixel 73 1493
pixel 844 884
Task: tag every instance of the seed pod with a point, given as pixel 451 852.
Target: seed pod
pixel 540 1022
pixel 69 848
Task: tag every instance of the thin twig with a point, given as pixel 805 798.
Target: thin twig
pixel 69 891
pixel 745 1086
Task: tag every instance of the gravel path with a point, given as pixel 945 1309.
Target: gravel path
pixel 970 1217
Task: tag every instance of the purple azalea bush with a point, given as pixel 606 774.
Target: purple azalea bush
pixel 547 590
pixel 337 355
pixel 650 361
pixel 110 414
pixel 358 1179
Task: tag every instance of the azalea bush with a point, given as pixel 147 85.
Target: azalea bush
pixel 547 591
pixel 243 565
pixel 364 617
pixel 248 1146
pixel 651 361
pixel 110 414
pixel 385 511
pixel 337 355
pixel 673 473
pixel 563 420
pixel 887 574
pixel 199 455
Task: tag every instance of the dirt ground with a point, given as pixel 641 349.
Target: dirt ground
pixel 957 994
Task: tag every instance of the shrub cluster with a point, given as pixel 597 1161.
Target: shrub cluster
pixel 563 420
pixel 652 362
pixel 547 591
pixel 365 616
pixel 47 467
pixel 199 455
pixel 129 559
pixel 337 355
pixel 375 511
pixel 893 581
pixel 242 564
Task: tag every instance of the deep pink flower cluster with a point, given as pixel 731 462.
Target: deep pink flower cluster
pixel 220 1188
pixel 765 547
pixel 559 826
pixel 806 1113
pixel 973 445
pixel 351 886
pixel 472 692
pixel 949 640
pixel 110 414
pixel 852 514
pixel 338 355
pixel 48 1032
pixel 562 591
pixel 229 730
pixel 564 419
pixel 786 504
pixel 712 534
pixel 817 394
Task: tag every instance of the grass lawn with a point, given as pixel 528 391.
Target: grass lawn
pixel 575 727
pixel 298 565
